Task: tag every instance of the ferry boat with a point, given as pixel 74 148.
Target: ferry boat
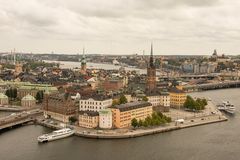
pixel 227 107
pixel 58 134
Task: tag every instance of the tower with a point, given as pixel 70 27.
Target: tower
pixel 83 63
pixel 151 74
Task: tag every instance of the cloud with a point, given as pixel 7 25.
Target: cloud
pixel 128 24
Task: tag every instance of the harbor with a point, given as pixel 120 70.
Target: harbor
pixel 210 139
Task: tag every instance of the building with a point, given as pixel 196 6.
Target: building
pixel 83 63
pixel 105 119
pixel 151 74
pixel 160 101
pixel 94 104
pixel 3 99
pixel 177 97
pixel 32 89
pixel 124 113
pixel 28 101
pixel 88 119
pixel 18 69
pixel 58 106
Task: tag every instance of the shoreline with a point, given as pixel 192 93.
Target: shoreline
pixel 142 132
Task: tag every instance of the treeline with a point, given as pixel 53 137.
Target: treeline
pixel 156 119
pixel 198 104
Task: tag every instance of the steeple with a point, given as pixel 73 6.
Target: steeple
pixel 151 64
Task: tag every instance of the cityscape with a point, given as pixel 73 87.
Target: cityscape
pixel 138 98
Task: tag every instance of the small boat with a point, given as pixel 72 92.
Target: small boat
pixel 227 107
pixel 58 134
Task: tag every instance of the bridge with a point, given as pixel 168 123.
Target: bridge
pixel 211 86
pixel 17 119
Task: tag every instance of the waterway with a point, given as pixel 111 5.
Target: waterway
pixel 219 141
pixel 105 66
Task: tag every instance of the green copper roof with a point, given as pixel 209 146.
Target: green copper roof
pixel 105 111
pixel 3 96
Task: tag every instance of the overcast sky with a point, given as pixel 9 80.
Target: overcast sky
pixel 120 26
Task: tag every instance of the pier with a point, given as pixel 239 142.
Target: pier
pixel 211 86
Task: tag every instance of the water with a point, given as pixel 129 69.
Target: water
pixel 219 141
pixel 69 64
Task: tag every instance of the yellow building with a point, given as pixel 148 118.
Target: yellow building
pixel 88 119
pixel 177 97
pixel 124 113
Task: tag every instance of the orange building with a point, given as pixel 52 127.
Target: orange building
pixel 124 113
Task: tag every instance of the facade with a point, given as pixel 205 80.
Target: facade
pixel 177 98
pixel 94 104
pixel 3 99
pixel 105 119
pixel 124 113
pixel 88 119
pixel 18 69
pixel 32 89
pixel 28 101
pixel 59 106
pixel 151 74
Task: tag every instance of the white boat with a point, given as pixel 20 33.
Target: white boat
pixel 58 134
pixel 227 107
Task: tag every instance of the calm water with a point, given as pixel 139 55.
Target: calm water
pixel 218 141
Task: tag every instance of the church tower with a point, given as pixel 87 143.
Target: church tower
pixel 83 63
pixel 151 74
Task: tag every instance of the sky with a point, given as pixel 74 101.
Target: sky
pixel 120 26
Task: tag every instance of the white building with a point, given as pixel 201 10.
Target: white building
pixel 155 100
pixel 165 100
pixel 105 119
pixel 162 99
pixel 95 104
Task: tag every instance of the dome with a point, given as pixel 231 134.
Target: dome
pixel 3 96
pixel 28 98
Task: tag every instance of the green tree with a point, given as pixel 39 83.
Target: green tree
pixel 145 98
pixel 39 96
pixel 123 100
pixel 72 119
pixel 134 122
pixel 140 123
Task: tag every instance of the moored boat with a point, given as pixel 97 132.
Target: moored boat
pixel 58 134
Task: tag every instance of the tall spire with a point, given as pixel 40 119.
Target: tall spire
pixel 151 57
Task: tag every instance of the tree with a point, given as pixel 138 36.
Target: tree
pixel 72 119
pixel 198 104
pixel 39 96
pixel 134 122
pixel 123 100
pixel 145 98
pixel 140 123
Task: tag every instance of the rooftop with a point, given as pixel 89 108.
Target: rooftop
pixel 89 113
pixel 132 105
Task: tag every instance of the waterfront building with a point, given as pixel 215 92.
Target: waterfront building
pixel 123 114
pixel 94 103
pixel 177 97
pixel 165 101
pixel 105 119
pixel 28 101
pixel 88 119
pixel 58 106
pixel 3 99
pixel 151 74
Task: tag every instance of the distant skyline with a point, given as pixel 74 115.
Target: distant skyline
pixel 175 27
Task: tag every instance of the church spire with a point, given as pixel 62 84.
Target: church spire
pixel 151 57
